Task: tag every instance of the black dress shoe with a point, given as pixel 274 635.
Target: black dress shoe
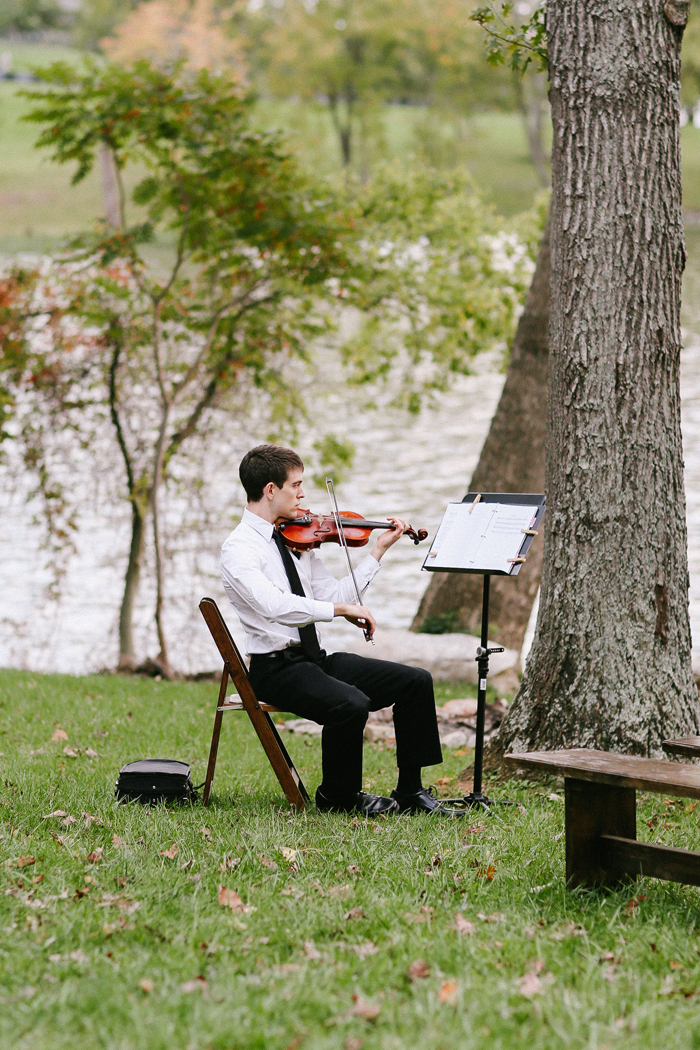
pixel 424 801
pixel 360 802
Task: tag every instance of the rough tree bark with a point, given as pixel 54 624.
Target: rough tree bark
pixel 512 460
pixel 610 665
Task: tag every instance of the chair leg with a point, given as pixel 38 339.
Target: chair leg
pixel 215 737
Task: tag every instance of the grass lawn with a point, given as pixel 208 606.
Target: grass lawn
pixel 112 934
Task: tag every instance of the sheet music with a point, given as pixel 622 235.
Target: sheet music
pixel 483 537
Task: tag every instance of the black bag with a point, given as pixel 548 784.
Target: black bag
pixel 152 780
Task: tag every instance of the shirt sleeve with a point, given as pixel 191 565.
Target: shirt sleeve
pixel 252 588
pixel 328 589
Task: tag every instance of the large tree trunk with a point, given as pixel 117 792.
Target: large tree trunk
pixel 610 665
pixel 512 460
pixel 127 655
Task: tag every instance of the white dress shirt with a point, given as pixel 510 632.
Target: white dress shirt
pixel 255 580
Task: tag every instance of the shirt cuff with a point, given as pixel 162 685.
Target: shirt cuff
pixel 368 569
pixel 323 612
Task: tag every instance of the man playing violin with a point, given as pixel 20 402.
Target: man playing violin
pixel 280 595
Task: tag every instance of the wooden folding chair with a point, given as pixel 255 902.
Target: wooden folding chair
pixel 235 669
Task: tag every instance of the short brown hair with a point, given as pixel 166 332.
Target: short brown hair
pixel 266 463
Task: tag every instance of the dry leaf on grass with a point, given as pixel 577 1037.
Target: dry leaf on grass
pixel 171 853
pixel 230 899
pixel 494 917
pixel 146 985
pixel 90 753
pixel 37 879
pixel 531 984
pixel 206 832
pixel 267 862
pixel 96 855
pixel 71 752
pixel 289 854
pixel 91 819
pixel 116 841
pixel 56 813
pixel 311 951
pixel 228 863
pixel 196 985
pixel 354 913
pixel 68 821
pixel 364 1008
pixel 418 971
pixel 118 900
pixel 25 862
pixel 363 950
pixel 448 992
pixel 59 734
pixel 462 925
pixel 487 873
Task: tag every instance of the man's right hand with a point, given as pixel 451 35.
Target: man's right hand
pixel 356 614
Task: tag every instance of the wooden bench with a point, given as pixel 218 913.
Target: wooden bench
pixel 601 814
pixel 688 746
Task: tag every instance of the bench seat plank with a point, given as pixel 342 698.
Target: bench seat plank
pixel 689 746
pixel 604 767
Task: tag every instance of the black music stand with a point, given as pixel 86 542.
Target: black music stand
pixel 519 499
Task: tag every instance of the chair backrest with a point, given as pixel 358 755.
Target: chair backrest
pixel 229 652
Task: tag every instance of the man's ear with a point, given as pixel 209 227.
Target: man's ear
pixel 269 490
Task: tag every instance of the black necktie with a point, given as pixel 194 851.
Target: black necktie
pixel 307 634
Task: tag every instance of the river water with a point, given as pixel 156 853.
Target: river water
pixel 406 466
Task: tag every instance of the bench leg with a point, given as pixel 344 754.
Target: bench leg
pixel 592 810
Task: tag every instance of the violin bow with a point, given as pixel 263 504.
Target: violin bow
pixel 338 524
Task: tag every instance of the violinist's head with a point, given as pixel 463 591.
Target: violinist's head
pixel 272 479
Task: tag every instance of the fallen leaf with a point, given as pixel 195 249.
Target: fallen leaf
pixel 25 862
pixel 171 853
pixel 363 950
pixel 56 813
pixel 364 1008
pixel 487 873
pixel 336 891
pixel 610 974
pixel 448 992
pixel 91 819
pixel 354 913
pixel 529 985
pixel 116 841
pixel 418 971
pixel 146 985
pixel 462 925
pixel 196 985
pixel 90 753
pixel 353 869
pixel 230 899
pixel 311 951
pixel 68 821
pixel 227 863
pixel 494 917
pixel 289 854
pixel 267 862
pixel 675 965
pixel 71 752
pixel 59 734
pixel 37 879
pixel 96 855
pixel 206 832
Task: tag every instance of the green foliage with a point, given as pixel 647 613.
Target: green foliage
pixel 448 278
pixel 440 623
pixel 517 42
pixel 29 16
pixel 152 350
pixel 335 459
pixel 102 908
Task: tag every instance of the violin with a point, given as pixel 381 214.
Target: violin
pixel 309 531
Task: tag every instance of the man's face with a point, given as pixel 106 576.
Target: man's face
pixel 287 499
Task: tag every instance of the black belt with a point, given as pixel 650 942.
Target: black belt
pixel 290 652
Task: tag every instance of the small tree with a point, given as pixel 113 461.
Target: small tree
pixel 155 343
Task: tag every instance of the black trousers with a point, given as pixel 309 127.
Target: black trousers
pixel 338 692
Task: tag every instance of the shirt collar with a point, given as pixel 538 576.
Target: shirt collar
pixel 264 528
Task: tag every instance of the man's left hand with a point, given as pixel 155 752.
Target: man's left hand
pixel 387 537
